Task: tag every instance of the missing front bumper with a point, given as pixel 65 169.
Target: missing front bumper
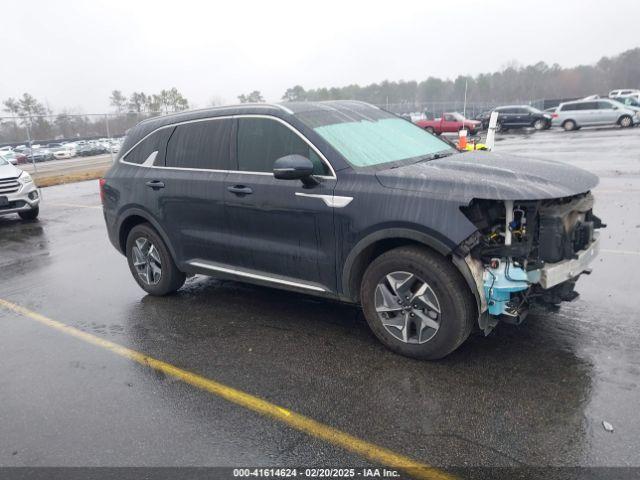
pixel 553 274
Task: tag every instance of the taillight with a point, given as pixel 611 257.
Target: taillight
pixel 102 183
pixel 554 115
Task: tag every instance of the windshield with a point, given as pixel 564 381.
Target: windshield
pixel 388 140
pixel 368 136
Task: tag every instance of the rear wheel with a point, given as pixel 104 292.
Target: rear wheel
pixel 625 121
pixel 30 214
pixel 151 263
pixel 539 124
pixel 500 127
pixel 416 303
pixel 569 125
pixel 430 129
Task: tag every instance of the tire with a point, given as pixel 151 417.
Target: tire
pixel 569 125
pixel 625 121
pixel 147 248
pixel 445 289
pixel 430 130
pixel 30 214
pixel 539 124
pixel 500 128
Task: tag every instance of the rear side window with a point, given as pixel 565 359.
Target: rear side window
pixel 578 106
pixel 605 106
pixel 262 141
pixel 204 144
pixel 155 144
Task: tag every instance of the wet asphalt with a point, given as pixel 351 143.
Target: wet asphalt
pixel 534 394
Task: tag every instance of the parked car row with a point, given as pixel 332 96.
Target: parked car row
pixel 62 150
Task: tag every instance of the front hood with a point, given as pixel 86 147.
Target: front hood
pixel 9 171
pixel 488 175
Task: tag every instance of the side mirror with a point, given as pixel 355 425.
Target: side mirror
pixel 295 167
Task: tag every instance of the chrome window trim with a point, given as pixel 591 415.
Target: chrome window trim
pixel 266 278
pixel 224 117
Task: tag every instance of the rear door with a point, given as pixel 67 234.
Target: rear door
pixel 188 192
pixel 277 228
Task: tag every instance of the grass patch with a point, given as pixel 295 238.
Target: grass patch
pixel 48 180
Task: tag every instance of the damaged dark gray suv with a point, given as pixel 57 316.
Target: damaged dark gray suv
pixel 346 201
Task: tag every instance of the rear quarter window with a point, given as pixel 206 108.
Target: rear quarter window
pixel 156 142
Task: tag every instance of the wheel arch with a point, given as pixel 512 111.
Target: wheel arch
pixel 135 216
pixel 624 115
pixel 376 244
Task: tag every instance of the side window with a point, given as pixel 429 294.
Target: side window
pixel 605 106
pixel 154 143
pixel 262 141
pixel 589 106
pixel 449 118
pixel 204 144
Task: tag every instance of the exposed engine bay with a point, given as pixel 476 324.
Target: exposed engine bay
pixel 529 253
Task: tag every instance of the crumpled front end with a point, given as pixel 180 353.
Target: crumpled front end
pixel 529 253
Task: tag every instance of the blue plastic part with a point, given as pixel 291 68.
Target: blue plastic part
pixel 500 283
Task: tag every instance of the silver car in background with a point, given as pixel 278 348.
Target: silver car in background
pixel 18 192
pixel 594 112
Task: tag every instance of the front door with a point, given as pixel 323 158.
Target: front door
pixel 278 228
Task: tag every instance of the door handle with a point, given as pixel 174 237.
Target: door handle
pixel 155 184
pixel 240 190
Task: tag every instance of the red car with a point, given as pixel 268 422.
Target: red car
pixel 450 122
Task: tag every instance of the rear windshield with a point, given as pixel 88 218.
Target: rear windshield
pixel 367 136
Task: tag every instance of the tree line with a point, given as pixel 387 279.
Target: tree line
pixel 512 83
pixel 167 101
pixel 33 119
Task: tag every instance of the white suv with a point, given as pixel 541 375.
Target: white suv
pixel 18 192
pixel 628 92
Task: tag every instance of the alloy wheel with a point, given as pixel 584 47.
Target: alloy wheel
pixel 407 307
pixel 146 261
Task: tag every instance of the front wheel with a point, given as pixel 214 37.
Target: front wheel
pixel 151 263
pixel 569 125
pixel 430 130
pixel 417 303
pixel 626 121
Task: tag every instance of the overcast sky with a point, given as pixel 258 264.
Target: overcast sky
pixel 72 54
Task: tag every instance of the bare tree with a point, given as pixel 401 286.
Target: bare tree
pixel 137 102
pixel 253 97
pixel 118 100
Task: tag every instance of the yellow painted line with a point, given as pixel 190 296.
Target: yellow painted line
pixel 375 453
pixel 620 252
pixel 74 205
